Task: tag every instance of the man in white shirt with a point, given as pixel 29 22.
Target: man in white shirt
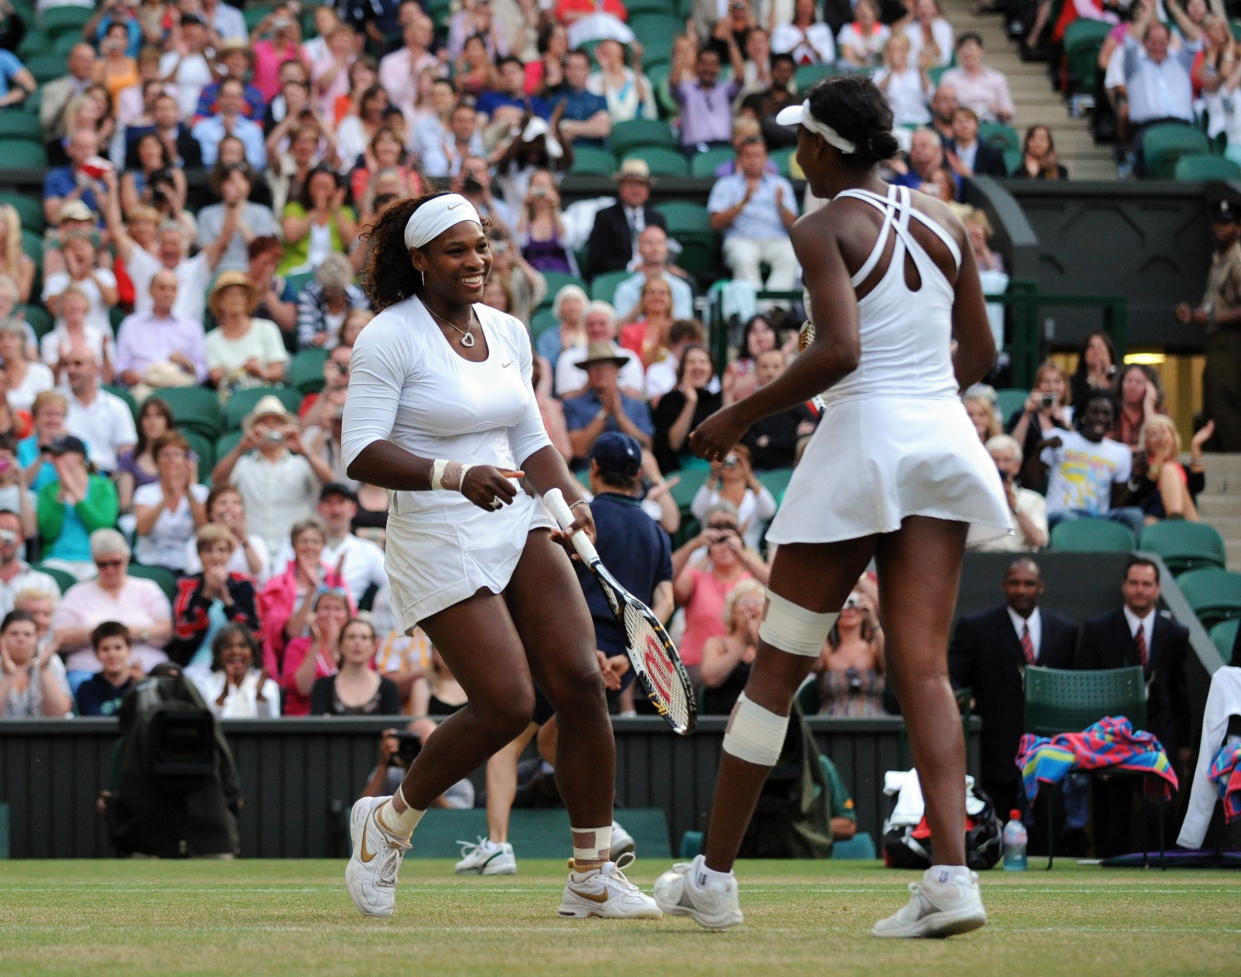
pixel 16 574
pixel 363 566
pixel 98 417
pixel 187 66
pixel 1158 87
pixel 228 23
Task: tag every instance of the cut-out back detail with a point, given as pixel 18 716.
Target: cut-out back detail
pixel 897 210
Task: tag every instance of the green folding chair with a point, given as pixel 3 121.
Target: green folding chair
pixel 64 579
pixel 1184 545
pixel 204 448
pixel 55 21
pixel 603 287
pixel 165 578
pixel 704 165
pixel 809 75
pixel 633 133
pixel 1010 400
pixel 662 160
pixel 29 209
pixel 20 126
pixel 592 161
pixel 1164 144
pixel 1083 39
pixel 1224 637
pixel 1205 166
pixel 23 155
pixel 306 370
pixel 194 408
pixel 776 481
pixel 999 135
pixel 1091 536
pixel 1213 594
pixel 47 67
pixel 124 395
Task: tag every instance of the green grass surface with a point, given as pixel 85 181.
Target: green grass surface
pixel 293 918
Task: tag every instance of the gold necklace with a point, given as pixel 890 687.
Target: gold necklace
pixel 467 335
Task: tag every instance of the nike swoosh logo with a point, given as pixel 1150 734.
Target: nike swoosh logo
pixel 508 363
pixel 367 855
pixel 454 206
pixel 600 897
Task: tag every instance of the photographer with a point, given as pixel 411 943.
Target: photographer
pixel 733 480
pixel 1046 411
pixel 397 750
pixel 153 178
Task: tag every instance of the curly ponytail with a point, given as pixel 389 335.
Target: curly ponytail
pixel 855 108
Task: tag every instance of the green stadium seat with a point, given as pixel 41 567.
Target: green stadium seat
pixel 1214 594
pixel 541 321
pixel 62 44
pixel 195 408
pixel 592 161
pixel 32 246
pixel 1224 636
pixel 1091 536
pixel 242 402
pixel 1012 159
pixel 64 579
pixel 1184 545
pixel 1009 401
pixel 29 210
pixel 306 370
pixel 126 396
pixel 204 448
pixel 809 75
pixel 692 480
pixel 776 481
pixel 40 320
pixel 704 165
pixel 628 135
pixel 556 280
pixel 635 7
pixel 47 67
pixel 18 126
pixel 1164 144
pixel 225 443
pixel 23 155
pixel 999 135
pixel 783 158
pixel 684 217
pixel 299 281
pixel 662 160
pixel 166 579
pixel 33 44
pixel 55 21
pixel 656 31
pixel 1205 166
pixel 1083 39
pixel 603 287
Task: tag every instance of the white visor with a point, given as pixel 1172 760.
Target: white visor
pixel 792 115
pixel 435 217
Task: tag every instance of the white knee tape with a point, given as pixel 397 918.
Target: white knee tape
pixel 792 628
pixel 754 734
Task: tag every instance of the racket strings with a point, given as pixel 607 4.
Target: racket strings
pixel 661 672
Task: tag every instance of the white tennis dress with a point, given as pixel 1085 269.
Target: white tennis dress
pixel 895 439
pixel 407 385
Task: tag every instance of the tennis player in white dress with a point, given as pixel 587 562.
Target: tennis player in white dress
pixel 441 412
pixel 894 472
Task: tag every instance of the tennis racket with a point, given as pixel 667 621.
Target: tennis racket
pixel 805 336
pixel 651 652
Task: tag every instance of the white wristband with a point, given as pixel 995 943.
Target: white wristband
pixel 437 473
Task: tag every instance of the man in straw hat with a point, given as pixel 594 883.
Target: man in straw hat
pixel 614 238
pixel 278 480
pixel 601 406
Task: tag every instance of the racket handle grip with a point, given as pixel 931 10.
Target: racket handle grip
pixel 554 501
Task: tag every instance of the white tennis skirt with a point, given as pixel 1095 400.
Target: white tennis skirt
pixel 876 460
pixel 434 562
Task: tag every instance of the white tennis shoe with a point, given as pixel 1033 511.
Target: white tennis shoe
pixel 371 873
pixel 605 893
pixel 622 842
pixel 942 904
pixel 487 857
pixel 715 905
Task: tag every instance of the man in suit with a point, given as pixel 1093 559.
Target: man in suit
pixel 613 239
pixel 989 653
pixel 1135 634
pixel 967 154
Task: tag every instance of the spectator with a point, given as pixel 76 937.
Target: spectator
pixel 99 417
pixel 507 105
pixel 33 453
pixel 318 224
pixel 325 302
pixel 568 308
pixel 433 129
pixel 850 670
pixel 461 141
pixel 592 20
pixel 758 61
pixel 541 229
pixel 775 442
pixel 861 42
pixel 648 335
pixel 1157 82
pixel 226 21
pixel 13 261
pixel 550 409
pixel 905 84
pixel 84 275
pixel 16 575
pixel 116 70
pixel 1029 509
pixel 313 657
pixel 290 167
pixel 210 599
pixel 32 682
pixel 652 263
pixel 765 103
pixel 1038 157
pixel 1095 370
pixel 235 688
pixel 169 510
pixel 249 556
pixel 103 692
pixel 617 229
pixel 331 57
pixel 1087 470
pixel 602 406
pixel 89 112
pixel 1046 409
pixel 186 64
pixel 72 506
pixel 317 408
pixel 706 104
pixel 113 595
pixel 626 90
pixel 755 210
pixel 732 480
pixel 154 174
pixel 740 376
pixel 229 120
pixel 275 297
pixel 943 104
pixel 584 118
pixel 399 71
pixel 242 351
pixel 976 86
pixel 383 171
pixel 1137 398
pixel 807 39
pixel 983 415
pixel 705 569
pixel 276 39
pixel 1169 496
pixel 233 61
pixel 966 154
pixel 356 689
pixel 58 93
pixel 25 379
pixel 167 122
pixel 158 348
pixel 135 467
pixel 234 219
pixel 277 479
pixel 683 408
pixel 75 331
pixel 930 35
pixel 359 561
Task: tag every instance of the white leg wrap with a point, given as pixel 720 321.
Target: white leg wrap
pixel 754 734
pixel 793 629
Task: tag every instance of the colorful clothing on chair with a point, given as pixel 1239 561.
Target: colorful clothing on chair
pixel 1111 742
pixel 1226 772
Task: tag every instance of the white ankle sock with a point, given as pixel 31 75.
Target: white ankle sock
pixel 402 824
pixel 944 874
pixel 704 875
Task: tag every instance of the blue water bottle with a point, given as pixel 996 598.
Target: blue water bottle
pixel 1015 840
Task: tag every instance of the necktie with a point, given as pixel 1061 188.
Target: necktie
pixel 1027 644
pixel 1139 638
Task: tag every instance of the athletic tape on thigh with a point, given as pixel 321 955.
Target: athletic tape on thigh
pixel 754 734
pixel 792 628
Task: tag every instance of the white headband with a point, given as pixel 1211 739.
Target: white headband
pixel 435 217
pixel 792 115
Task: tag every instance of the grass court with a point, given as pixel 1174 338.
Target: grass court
pixel 293 918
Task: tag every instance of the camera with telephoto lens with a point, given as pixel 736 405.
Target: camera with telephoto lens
pixel 409 745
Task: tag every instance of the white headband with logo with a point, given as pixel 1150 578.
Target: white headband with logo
pixel 435 217
pixel 792 115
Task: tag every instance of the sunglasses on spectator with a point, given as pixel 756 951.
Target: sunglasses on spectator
pixel 109 564
pixel 722 525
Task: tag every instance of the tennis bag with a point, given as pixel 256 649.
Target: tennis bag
pixel 177 792
pixel 907 845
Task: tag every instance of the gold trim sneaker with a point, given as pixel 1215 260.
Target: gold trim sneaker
pixel 371 873
pixel 604 892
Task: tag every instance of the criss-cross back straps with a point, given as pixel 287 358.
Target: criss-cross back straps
pixel 898 201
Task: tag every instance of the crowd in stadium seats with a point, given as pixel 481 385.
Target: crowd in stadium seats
pixel 176 313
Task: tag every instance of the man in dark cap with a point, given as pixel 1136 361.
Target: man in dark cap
pixel 1220 312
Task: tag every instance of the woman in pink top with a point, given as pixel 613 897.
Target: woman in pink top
pixel 313 657
pixel 284 43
